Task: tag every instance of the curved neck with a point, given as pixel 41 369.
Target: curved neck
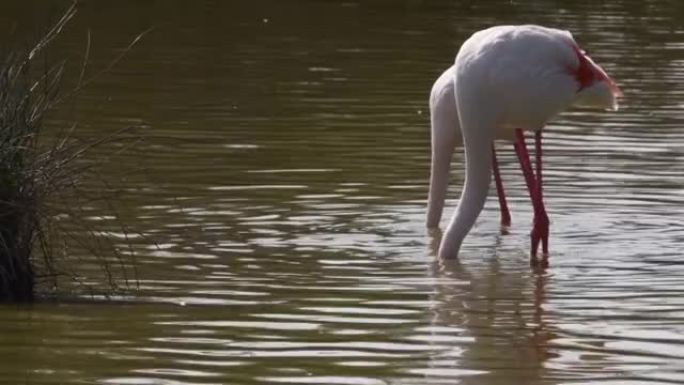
pixel 444 137
pixel 478 158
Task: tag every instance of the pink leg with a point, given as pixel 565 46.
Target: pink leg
pixel 503 205
pixel 524 159
pixel 543 224
pixel 540 230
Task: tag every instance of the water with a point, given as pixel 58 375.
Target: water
pixel 283 177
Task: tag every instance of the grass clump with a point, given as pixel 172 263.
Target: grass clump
pixel 36 169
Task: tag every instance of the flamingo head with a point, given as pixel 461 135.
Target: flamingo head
pixel 595 87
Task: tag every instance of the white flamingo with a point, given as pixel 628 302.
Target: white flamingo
pixel 505 79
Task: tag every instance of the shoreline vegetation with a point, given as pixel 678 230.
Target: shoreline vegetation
pixel 41 175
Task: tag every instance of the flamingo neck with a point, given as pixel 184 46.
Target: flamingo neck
pixel 478 158
pixel 443 142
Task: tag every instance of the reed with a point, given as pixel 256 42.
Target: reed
pixel 39 169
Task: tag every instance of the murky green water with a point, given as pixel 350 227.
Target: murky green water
pixel 284 174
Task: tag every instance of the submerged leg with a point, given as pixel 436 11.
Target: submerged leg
pixel 530 181
pixel 543 218
pixel 503 205
pixel 540 230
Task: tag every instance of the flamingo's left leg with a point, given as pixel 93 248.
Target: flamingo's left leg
pixel 540 230
pixel 501 194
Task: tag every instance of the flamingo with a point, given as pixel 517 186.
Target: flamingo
pixel 505 79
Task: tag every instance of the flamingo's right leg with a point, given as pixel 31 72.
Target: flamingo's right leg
pixel 541 216
pixel 540 231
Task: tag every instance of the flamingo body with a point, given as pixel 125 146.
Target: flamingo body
pixel 504 78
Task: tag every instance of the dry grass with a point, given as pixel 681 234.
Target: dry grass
pixel 38 171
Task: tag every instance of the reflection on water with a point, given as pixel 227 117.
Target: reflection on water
pixel 498 308
pixel 284 178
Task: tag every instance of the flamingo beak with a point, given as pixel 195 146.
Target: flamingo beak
pixel 596 88
pixel 612 85
pixel 601 75
pixel 617 92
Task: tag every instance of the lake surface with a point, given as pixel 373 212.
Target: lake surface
pixel 280 187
